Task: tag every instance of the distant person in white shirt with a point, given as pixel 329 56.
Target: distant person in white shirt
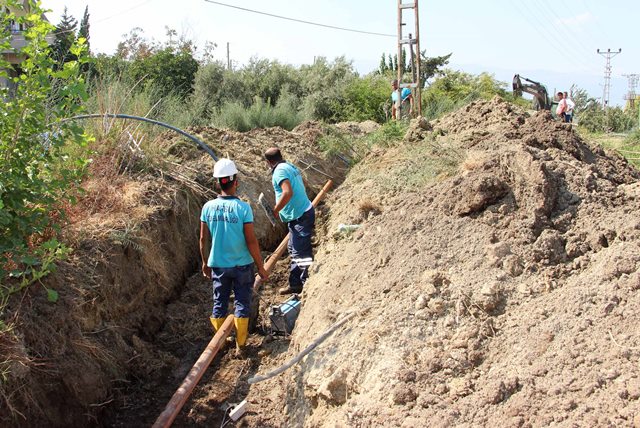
pixel 561 110
pixel 570 106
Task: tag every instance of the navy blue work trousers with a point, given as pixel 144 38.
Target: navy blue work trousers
pixel 238 279
pixel 300 233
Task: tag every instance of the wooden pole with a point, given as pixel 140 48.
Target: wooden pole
pixel 417 64
pixel 172 409
pixel 399 62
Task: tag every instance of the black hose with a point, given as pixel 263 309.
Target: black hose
pixel 202 145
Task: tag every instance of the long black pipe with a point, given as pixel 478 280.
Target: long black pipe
pixel 202 145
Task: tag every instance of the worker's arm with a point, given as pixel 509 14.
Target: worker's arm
pixel 287 194
pixel 254 250
pixel 204 247
pixel 410 104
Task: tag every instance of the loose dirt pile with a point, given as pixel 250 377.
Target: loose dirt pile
pixel 495 276
pixel 129 322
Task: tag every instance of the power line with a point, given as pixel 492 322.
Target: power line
pixel 135 6
pixel 549 37
pixel 585 29
pixel 106 18
pixel 598 26
pixel 542 18
pixel 607 75
pixel 301 20
pixel 553 39
pixel 565 28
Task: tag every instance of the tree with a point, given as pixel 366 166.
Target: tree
pixel 382 68
pixel 83 32
pixel 429 66
pixel 65 36
pixel 134 46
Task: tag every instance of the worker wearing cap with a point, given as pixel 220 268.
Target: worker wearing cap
pixel 228 221
pixel 295 209
pixel 405 95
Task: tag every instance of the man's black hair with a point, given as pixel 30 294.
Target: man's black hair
pixel 226 183
pixel 273 155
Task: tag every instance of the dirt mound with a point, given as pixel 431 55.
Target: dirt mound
pixel 495 275
pixel 126 316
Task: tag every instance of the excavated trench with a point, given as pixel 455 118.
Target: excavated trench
pixel 133 313
pixel 181 339
pixel 183 336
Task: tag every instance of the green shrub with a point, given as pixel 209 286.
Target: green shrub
pixel 260 114
pixel 214 87
pixel 389 133
pixel 36 146
pixel 614 119
pixel 365 98
pixel 324 89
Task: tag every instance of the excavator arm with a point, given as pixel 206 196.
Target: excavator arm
pixel 541 99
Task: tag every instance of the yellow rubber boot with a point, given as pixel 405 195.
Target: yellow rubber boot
pixel 242 330
pixel 217 322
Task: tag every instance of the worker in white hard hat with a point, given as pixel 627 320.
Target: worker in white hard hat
pixel 228 221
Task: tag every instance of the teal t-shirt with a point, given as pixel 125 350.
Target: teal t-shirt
pixel 299 202
pixel 226 217
pixel 405 93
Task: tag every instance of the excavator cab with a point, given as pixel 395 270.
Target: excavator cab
pixel 541 99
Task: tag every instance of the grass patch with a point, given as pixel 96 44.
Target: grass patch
pixel 354 149
pixel 425 163
pixel 628 145
pixel 408 167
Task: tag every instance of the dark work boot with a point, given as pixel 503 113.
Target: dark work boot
pixel 290 290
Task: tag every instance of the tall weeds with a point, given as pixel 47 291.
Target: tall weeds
pixel 259 115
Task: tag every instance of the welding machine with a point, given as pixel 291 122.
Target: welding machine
pixel 283 317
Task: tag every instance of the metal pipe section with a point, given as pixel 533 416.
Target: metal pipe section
pixel 202 145
pixel 172 409
pixel 301 355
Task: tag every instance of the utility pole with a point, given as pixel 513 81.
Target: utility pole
pixel 228 59
pixel 631 95
pixel 607 75
pixel 415 83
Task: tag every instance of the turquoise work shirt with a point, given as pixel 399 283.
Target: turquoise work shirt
pixel 226 217
pixel 405 93
pixel 299 202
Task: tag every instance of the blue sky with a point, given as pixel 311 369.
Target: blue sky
pixel 551 41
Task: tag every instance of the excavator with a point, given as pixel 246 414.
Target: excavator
pixel 541 99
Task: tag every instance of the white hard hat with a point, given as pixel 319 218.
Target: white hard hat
pixel 224 168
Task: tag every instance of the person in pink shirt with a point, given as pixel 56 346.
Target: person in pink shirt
pixel 561 110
